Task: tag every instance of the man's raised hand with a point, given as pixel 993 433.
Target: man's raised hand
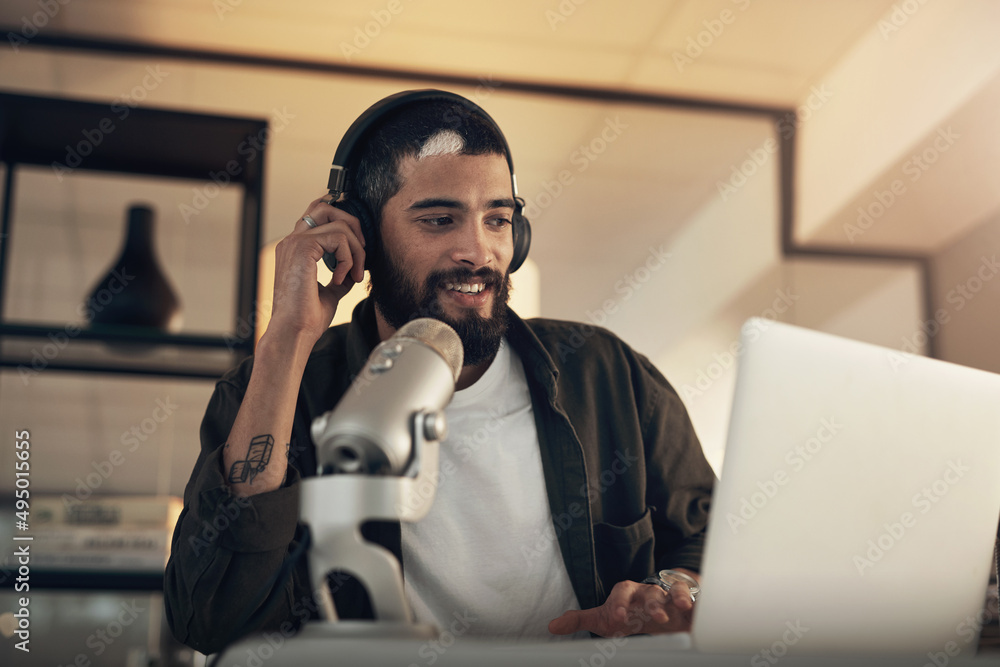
pixel 301 305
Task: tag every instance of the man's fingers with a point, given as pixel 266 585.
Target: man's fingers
pixel 342 241
pixel 350 259
pixel 679 608
pixel 680 596
pixel 331 294
pixel 330 211
pixel 315 212
pixel 656 610
pixel 630 609
pixel 326 224
pixel 605 620
pixel 648 609
pixel 610 619
pixel 323 213
pixel 566 624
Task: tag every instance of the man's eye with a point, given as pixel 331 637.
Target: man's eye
pixel 438 222
pixel 498 222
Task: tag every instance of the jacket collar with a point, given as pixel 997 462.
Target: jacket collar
pixel 538 363
pixel 362 336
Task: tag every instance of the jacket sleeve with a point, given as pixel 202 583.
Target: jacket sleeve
pixel 679 479
pixel 226 548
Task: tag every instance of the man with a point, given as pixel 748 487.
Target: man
pixel 574 470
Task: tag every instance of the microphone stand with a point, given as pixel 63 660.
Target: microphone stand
pixel 335 506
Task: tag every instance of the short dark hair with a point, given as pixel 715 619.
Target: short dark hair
pixel 403 134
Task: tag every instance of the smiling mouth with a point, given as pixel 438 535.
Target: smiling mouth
pixel 465 288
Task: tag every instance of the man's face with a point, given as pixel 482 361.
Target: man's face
pixel 447 246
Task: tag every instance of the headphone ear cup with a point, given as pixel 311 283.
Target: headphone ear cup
pixel 359 210
pixel 521 231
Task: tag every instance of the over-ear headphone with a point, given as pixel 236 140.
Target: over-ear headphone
pixel 341 180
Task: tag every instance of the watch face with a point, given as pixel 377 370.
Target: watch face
pixel 671 577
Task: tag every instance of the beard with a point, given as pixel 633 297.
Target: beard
pixel 399 299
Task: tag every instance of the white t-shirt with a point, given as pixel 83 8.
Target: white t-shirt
pixel 484 561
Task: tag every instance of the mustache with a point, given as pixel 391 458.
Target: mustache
pixel 490 277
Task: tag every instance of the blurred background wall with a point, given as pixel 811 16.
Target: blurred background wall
pixel 658 217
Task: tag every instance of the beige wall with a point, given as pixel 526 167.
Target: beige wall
pixel 654 190
pixel 874 302
pixel 966 288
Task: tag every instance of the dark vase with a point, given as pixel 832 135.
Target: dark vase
pixel 135 292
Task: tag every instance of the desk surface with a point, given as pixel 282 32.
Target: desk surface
pixel 675 650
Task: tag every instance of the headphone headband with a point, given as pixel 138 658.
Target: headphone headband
pixel 339 181
pixel 340 177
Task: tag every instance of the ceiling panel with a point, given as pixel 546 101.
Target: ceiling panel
pixel 767 53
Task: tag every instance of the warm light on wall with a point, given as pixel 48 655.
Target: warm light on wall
pixel 526 288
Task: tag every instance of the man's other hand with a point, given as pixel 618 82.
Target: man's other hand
pixel 633 609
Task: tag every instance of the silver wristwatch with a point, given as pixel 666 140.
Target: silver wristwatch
pixel 668 578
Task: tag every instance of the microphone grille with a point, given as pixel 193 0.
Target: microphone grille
pixel 438 336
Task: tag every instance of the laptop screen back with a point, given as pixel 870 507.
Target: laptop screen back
pixel 858 503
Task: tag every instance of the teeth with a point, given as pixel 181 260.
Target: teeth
pixel 466 288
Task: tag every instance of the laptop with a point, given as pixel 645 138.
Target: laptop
pixel 858 503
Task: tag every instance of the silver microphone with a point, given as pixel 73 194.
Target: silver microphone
pixel 405 385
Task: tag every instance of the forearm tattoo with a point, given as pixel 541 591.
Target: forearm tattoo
pixel 258 456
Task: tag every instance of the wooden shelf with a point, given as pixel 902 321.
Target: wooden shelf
pixel 144 141
pixel 31 349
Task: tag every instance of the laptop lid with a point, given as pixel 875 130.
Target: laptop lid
pixel 858 503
